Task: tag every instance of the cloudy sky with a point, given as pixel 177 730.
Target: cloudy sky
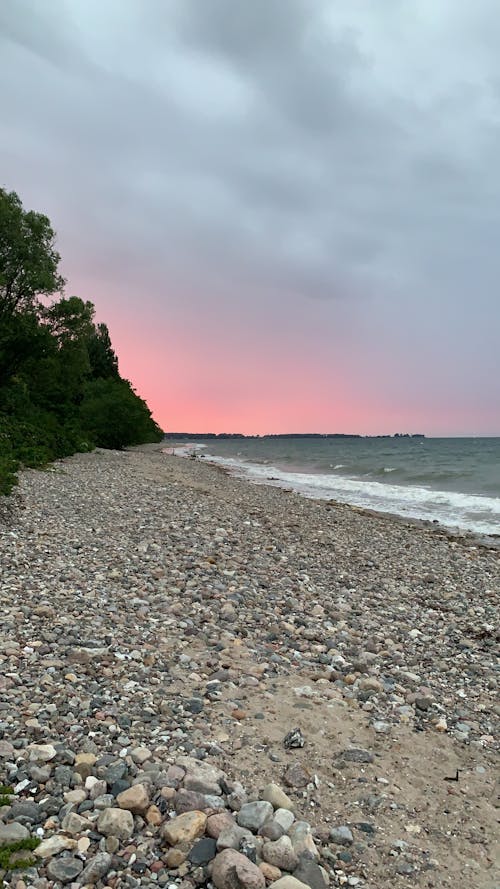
pixel 287 211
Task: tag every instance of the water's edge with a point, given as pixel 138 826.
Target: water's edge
pixel 272 477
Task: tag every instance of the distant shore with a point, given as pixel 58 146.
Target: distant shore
pixel 153 603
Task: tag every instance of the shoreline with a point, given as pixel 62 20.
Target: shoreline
pixel 157 603
pixel 468 538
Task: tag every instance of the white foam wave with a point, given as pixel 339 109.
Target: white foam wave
pixel 450 508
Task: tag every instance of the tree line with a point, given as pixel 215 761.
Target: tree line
pixel 60 387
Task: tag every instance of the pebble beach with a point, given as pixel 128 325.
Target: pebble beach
pixel 205 682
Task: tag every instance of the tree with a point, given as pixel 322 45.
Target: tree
pixel 28 258
pixel 60 389
pixel 115 416
pixel 102 358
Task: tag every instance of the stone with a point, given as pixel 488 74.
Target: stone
pixel 175 857
pixel 294 739
pixel 95 869
pixel 342 835
pixel 53 845
pixel 189 801
pixel 135 799
pixel 284 818
pixel 200 776
pixel 356 754
pixel 116 822
pixel 75 797
pixel 302 840
pixel 184 828
pixel 230 837
pixel 12 833
pixel 203 851
pixel 153 816
pixel 311 874
pixel 26 810
pixel 296 775
pixel 277 797
pixel 217 823
pixel 288 882
pixel 140 755
pixel 75 824
pixel 64 870
pixel 254 815
pixel 6 750
pixel 270 873
pixel 232 870
pixel 281 854
pixel 41 752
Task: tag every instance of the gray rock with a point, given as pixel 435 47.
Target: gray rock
pixel 64 870
pixel 254 815
pixel 26 811
pixel 342 835
pixel 311 874
pixel 230 837
pixel 95 869
pixel 203 851
pixel 281 854
pixel 12 833
pixel 356 754
pixel 116 822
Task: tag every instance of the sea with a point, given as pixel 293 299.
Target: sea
pixel 454 482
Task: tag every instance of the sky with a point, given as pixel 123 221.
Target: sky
pixel 286 211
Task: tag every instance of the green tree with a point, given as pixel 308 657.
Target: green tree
pixel 115 416
pixel 103 360
pixel 28 258
pixel 60 389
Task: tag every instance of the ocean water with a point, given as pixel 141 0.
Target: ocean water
pixel 452 481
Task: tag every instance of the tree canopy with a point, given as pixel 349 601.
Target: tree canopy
pixel 60 386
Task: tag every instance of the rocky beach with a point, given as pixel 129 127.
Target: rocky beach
pixel 205 682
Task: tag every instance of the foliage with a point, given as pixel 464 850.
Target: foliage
pixel 60 387
pixel 7 851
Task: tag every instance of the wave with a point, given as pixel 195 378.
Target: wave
pixel 477 513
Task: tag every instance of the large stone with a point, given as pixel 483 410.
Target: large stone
pixel 232 870
pixel 203 851
pixel 288 882
pixel 6 750
pixel 64 870
pixel 297 776
pixel 135 799
pixel 53 845
pixel 217 823
pixel 254 815
pixel 284 818
pixel 277 797
pixel 189 801
pixel 116 823
pixel 41 752
pixel 75 824
pixel 356 754
pixel 281 854
pixel 231 836
pixel 200 776
pixel 302 840
pixel 185 828
pixel 13 833
pixel 95 869
pixel 26 810
pixel 342 835
pixel 311 874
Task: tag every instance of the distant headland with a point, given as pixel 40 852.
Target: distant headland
pixel 199 436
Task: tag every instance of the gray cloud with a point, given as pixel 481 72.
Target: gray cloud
pixel 287 152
